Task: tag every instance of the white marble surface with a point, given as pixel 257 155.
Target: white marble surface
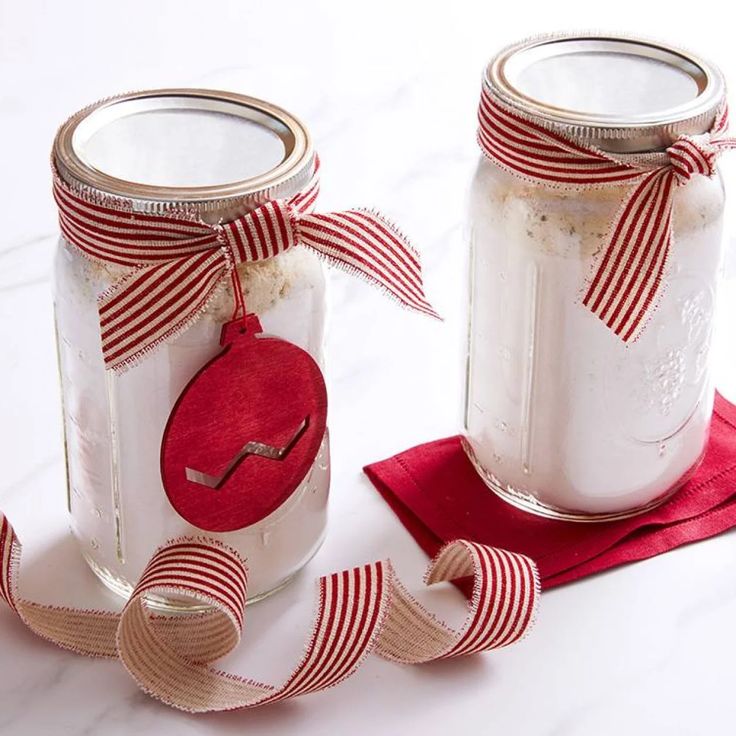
pixel 389 90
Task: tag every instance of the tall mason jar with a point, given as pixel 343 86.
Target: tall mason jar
pixel 220 155
pixel 563 418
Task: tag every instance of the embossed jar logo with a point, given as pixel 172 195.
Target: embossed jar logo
pixel 656 386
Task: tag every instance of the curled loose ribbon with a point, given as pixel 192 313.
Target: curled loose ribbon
pixel 177 263
pixel 626 280
pixel 362 610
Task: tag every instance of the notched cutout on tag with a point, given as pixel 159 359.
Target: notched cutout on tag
pixel 259 449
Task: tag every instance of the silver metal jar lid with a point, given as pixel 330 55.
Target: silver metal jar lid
pixel 219 152
pixel 617 92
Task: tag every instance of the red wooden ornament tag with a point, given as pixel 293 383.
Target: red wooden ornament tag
pixel 245 431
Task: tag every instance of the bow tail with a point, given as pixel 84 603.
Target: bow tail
pixel 153 303
pixel 365 243
pixel 628 277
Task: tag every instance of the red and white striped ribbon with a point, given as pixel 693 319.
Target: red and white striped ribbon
pixel 177 263
pixel 359 611
pixel 626 280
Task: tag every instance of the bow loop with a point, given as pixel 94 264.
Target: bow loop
pixel 692 155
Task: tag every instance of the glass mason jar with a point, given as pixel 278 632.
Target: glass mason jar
pixel 220 154
pixel 563 418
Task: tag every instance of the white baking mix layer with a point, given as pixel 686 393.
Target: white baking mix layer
pixel 114 423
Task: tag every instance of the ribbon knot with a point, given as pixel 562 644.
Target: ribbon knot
pixel 692 155
pixel 176 264
pixel 262 233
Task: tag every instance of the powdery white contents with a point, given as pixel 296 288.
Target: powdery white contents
pixel 114 424
pixel 557 406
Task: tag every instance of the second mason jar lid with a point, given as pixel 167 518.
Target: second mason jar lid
pixel 219 152
pixel 621 93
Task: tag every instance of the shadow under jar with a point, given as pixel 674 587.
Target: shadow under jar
pixel 564 418
pixel 220 155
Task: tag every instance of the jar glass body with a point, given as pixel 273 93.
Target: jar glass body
pixel 114 423
pixel 562 417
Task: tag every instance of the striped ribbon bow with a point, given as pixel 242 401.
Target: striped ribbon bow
pixel 625 281
pixel 359 611
pixel 177 263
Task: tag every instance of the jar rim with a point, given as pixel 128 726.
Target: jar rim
pixel 218 200
pixel 648 130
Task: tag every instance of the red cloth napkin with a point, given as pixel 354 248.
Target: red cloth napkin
pixel 438 496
